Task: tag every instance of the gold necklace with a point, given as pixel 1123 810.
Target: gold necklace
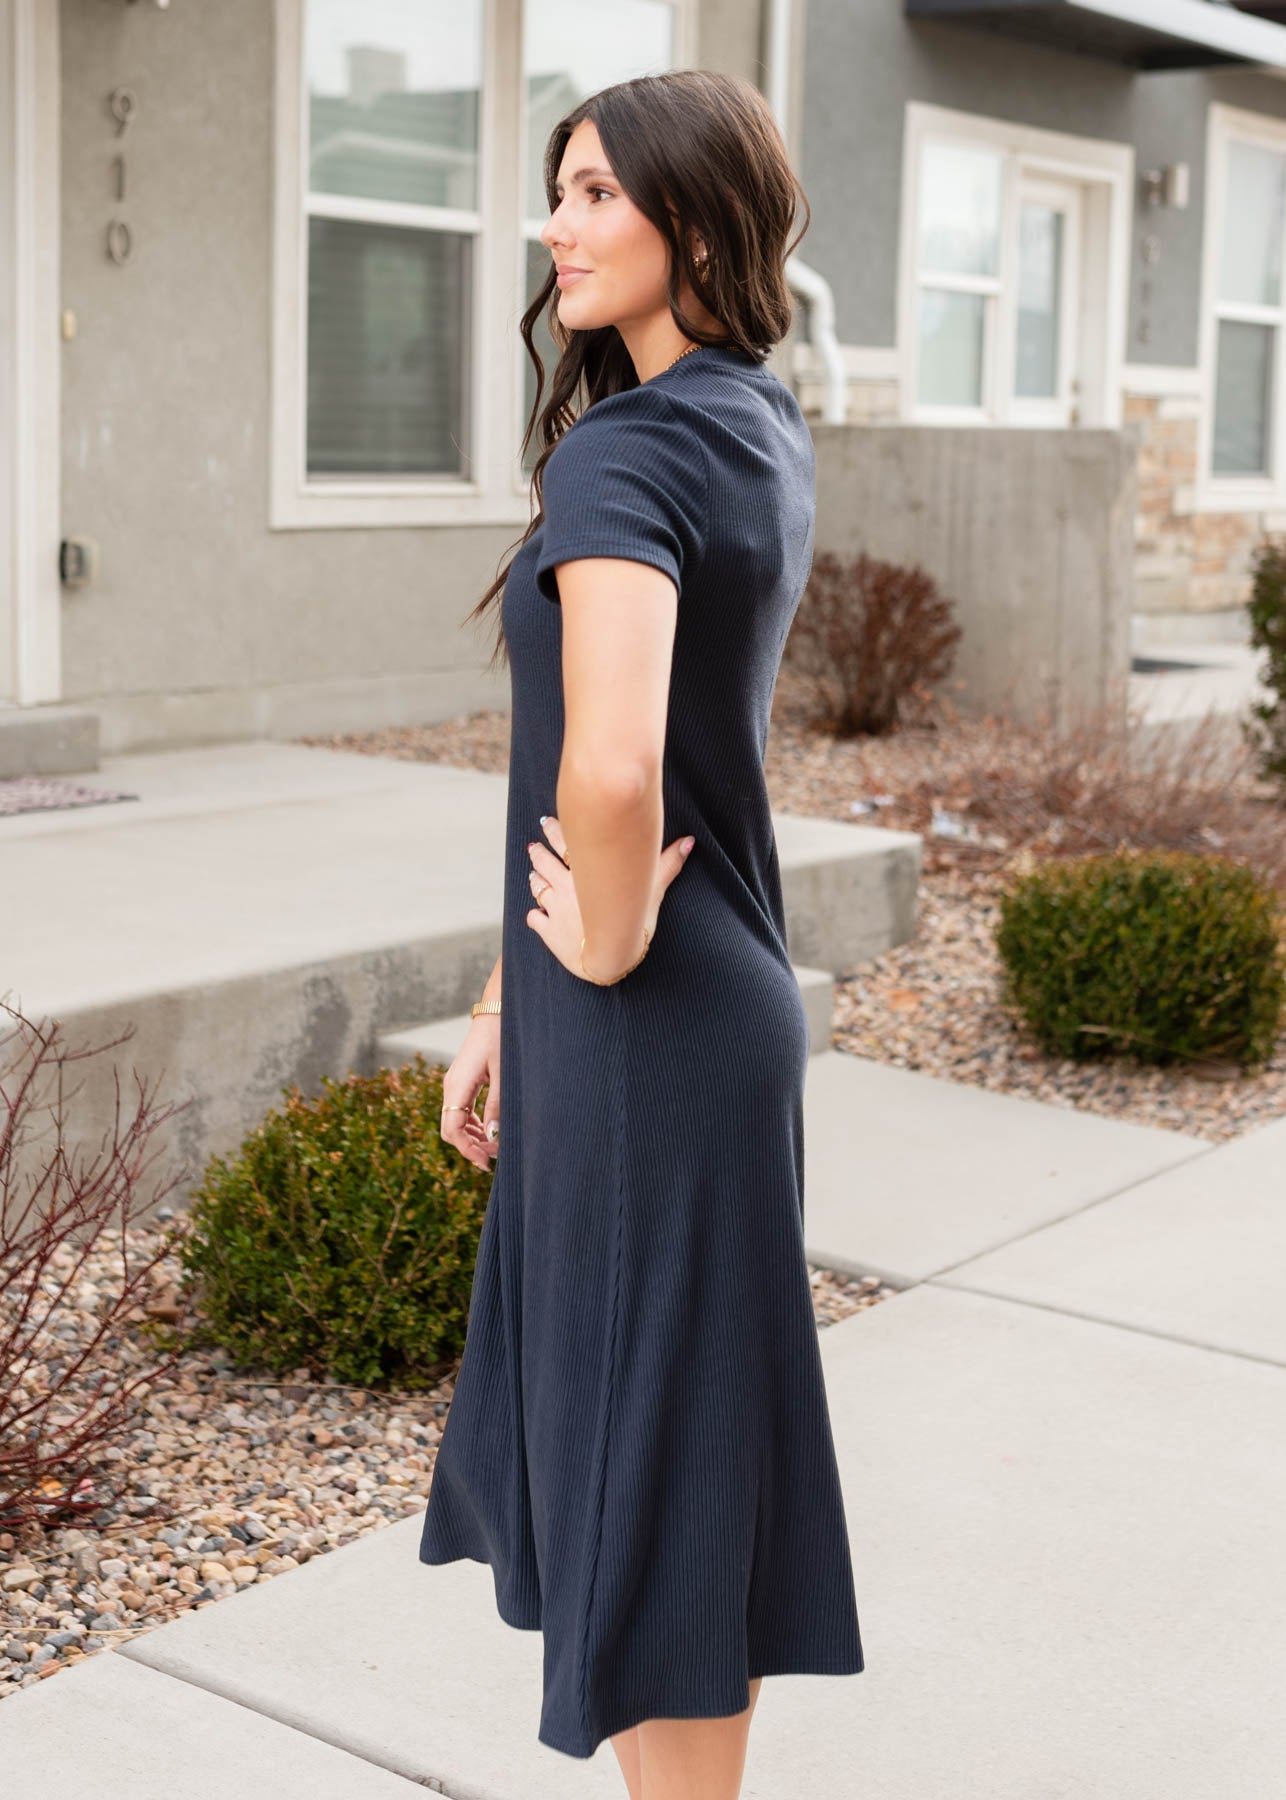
pixel 681 354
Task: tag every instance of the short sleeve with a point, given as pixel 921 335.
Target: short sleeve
pixel 628 479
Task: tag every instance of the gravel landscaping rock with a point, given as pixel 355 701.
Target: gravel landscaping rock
pixel 244 1478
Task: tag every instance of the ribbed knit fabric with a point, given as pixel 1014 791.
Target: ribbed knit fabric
pixel 639 1442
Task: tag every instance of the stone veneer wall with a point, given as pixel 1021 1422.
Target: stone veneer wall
pixel 1186 561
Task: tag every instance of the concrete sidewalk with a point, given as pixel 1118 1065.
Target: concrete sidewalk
pixel 1063 1468
pixel 1060 1442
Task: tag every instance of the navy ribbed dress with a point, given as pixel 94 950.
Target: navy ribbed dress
pixel 639 1442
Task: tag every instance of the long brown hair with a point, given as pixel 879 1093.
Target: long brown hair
pixel 708 146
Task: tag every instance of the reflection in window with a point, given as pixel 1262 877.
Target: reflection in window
pixel 1250 267
pixel 958 218
pixel 1248 310
pixel 394 97
pixel 1243 385
pixel 386 309
pixel 1040 278
pixel 952 327
pixel 570 50
pixel 959 210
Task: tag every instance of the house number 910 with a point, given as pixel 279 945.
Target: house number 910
pixel 120 241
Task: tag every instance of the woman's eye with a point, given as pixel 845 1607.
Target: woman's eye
pixel 600 190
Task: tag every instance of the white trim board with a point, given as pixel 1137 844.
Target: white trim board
pixel 30 349
pixel 1160 381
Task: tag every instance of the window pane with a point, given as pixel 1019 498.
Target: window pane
pixel 951 339
pixel 571 48
pixel 393 99
pixel 959 209
pixel 1243 386
pixel 538 260
pixel 387 350
pixel 1040 261
pixel 1251 263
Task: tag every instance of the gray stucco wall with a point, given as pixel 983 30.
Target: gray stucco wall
pixel 864 61
pixel 165 414
pixel 204 623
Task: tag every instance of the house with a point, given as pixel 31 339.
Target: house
pixel 261 267
pixel 1068 213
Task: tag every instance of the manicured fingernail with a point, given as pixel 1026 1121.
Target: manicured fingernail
pixel 493 1129
pixel 543 817
pixel 687 844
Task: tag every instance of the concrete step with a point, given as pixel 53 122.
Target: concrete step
pixel 267 912
pixel 440 1040
pixel 47 740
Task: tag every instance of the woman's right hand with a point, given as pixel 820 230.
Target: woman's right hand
pixel 476 1066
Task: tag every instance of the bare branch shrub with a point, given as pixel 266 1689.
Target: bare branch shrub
pixel 867 635
pixel 61 1408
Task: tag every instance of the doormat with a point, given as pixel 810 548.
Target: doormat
pixel 51 793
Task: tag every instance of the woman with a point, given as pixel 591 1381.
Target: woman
pixel 639 1443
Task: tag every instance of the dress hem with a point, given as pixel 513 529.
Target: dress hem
pixel 631 1717
pixel 758 1666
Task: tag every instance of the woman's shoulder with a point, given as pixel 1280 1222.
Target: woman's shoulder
pixel 640 428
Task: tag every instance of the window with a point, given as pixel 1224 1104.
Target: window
pixel 1241 465
pixel 1012 302
pixel 568 55
pixel 408 207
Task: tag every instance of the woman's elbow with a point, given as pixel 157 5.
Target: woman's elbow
pixel 615 784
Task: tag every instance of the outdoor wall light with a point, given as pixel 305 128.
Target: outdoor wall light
pixel 1166 187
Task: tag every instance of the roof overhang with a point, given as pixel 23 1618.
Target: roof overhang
pixel 1142 34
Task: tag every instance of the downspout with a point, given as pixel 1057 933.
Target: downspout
pixel 816 290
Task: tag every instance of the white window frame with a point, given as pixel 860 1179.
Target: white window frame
pixel 1235 493
pixel 498 490
pixel 1027 151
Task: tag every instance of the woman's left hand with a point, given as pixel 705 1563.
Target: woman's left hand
pixel 556 917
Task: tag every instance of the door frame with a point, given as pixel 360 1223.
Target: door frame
pixel 30 389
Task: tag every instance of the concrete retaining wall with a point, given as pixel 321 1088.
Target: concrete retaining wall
pixel 1030 532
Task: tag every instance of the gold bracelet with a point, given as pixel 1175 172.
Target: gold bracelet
pixel 624 972
pixel 483 1006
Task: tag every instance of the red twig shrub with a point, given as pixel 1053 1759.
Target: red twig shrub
pixel 60 1406
pixel 868 634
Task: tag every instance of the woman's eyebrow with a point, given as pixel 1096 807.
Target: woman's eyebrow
pixel 584 175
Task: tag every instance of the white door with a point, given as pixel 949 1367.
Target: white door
pixel 1043 303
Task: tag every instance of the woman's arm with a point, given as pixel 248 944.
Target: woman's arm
pixel 618 639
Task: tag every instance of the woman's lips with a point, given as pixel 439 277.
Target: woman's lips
pixel 570 275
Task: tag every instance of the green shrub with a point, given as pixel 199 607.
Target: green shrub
pixel 1159 953
pixel 342 1238
pixel 1266 728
